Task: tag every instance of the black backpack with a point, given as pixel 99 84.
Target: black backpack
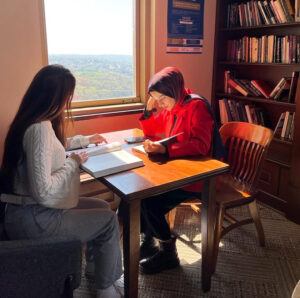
pixel 218 149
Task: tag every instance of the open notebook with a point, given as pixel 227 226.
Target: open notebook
pixel 108 159
pixel 93 150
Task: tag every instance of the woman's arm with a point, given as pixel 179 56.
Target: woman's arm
pixel 152 124
pixel 200 135
pixel 76 142
pixel 80 141
pixel 47 188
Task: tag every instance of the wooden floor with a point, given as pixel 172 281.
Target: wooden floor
pixel 244 269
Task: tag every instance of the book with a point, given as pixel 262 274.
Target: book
pixel 279 125
pixel 293 88
pixel 263 87
pixel 285 122
pixel 169 140
pixel 93 150
pixel 165 141
pixel 277 87
pixel 110 163
pixel 297 10
pixel 237 87
pixel 282 94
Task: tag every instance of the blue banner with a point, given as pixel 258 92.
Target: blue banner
pixel 185 26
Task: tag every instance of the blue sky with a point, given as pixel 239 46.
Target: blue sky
pixel 89 26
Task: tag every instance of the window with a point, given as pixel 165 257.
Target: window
pixel 95 39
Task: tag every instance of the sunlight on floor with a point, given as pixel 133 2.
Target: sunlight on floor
pixel 190 249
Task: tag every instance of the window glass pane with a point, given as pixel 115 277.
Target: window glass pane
pixel 94 39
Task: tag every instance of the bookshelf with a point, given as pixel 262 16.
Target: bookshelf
pixel 283 156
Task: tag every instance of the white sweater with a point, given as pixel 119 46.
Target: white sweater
pixel 45 174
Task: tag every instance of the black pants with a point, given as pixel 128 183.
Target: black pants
pixel 153 210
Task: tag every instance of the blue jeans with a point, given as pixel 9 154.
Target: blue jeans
pixel 91 221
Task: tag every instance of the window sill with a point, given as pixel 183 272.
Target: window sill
pixel 106 111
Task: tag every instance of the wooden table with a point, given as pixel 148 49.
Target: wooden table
pixel 157 177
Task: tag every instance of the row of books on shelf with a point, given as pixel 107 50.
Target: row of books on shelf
pixel 284 90
pixel 265 49
pixel 257 13
pixel 231 110
pixel 285 126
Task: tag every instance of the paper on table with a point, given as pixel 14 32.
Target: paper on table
pixel 93 150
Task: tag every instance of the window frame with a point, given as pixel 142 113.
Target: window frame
pixel 141 39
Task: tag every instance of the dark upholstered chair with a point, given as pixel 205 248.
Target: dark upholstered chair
pixel 49 267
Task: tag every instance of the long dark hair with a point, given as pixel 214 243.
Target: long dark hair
pixel 49 93
pixel 169 81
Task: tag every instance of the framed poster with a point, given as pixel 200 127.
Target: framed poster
pixel 185 26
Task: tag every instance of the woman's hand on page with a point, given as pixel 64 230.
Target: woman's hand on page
pixel 97 139
pixel 80 157
pixel 154 147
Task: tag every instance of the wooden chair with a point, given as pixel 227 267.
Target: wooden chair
pixel 246 145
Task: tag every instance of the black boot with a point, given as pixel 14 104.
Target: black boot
pixel 166 258
pixel 148 247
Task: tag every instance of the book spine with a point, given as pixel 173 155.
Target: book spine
pixel 286 11
pixel 277 87
pixel 263 13
pixel 259 88
pixel 274 11
pixel 269 12
pixel 286 118
pixel 293 88
pixel 297 10
pixel 291 135
pixel 288 126
pixel 237 87
pixel 248 113
pixel 278 125
pixel 280 11
pixel 229 115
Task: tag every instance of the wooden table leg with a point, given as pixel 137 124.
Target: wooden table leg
pixel 207 231
pixel 131 247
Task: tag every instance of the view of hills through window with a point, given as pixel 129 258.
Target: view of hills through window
pixel 94 39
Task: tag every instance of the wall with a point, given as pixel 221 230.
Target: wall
pixel 21 55
pixel 197 68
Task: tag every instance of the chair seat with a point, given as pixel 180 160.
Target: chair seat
pixel 230 192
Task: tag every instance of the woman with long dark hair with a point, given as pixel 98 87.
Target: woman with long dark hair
pixel 170 110
pixel 41 186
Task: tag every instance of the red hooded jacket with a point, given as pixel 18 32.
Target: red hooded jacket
pixel 190 117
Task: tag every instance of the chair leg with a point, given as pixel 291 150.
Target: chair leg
pixel 68 289
pixel 171 218
pixel 259 228
pixel 218 230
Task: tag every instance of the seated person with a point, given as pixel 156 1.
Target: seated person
pixel 178 112
pixel 41 185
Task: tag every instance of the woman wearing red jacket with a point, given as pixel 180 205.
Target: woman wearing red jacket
pixel 179 113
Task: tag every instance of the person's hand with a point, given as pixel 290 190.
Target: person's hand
pixel 154 147
pixel 79 157
pixel 151 104
pixel 97 139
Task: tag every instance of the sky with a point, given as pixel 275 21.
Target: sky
pixel 89 27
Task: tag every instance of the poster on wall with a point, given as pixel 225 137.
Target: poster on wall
pixel 185 26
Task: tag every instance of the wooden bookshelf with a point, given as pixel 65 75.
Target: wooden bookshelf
pixel 258 100
pixel 281 25
pixel 282 156
pixel 296 65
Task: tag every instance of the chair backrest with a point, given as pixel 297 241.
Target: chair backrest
pixel 246 145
